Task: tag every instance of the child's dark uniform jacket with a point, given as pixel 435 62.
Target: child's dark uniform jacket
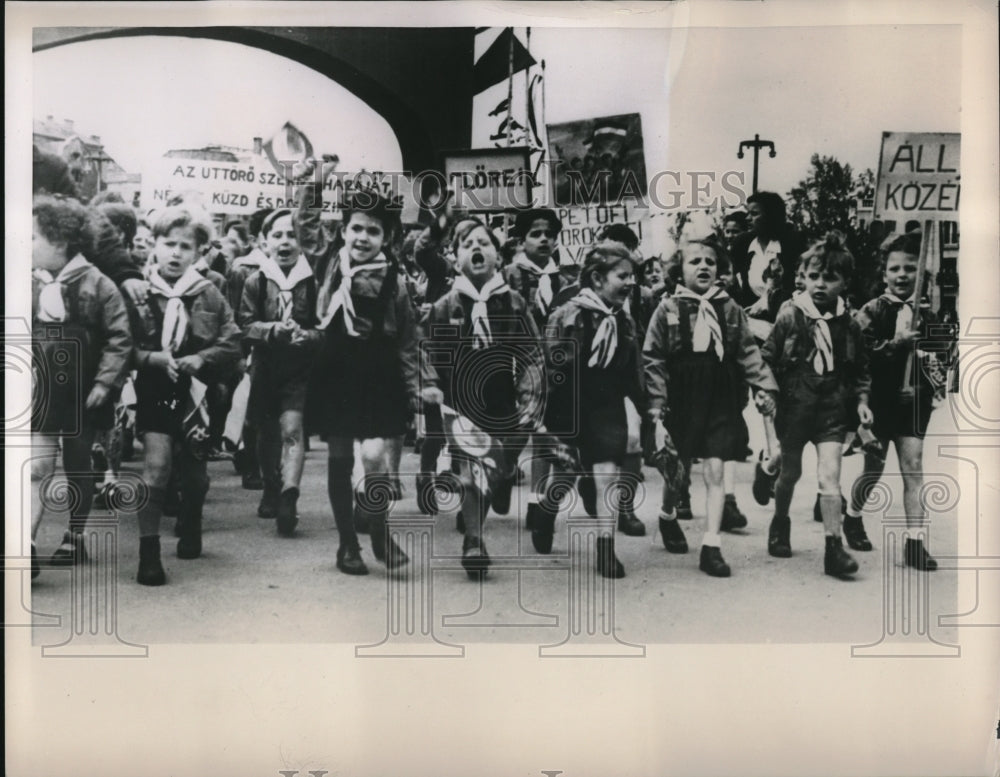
pixel 585 405
pixel 702 397
pixel 490 386
pixel 280 371
pixel 211 333
pixel 363 385
pixel 525 282
pixel 811 407
pixel 218 279
pixel 92 344
pixel 898 414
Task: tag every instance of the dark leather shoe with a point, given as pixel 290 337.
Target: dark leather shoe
pixel 500 501
pixel 268 507
pixel 608 564
pixel 732 517
pixel 544 529
pixel 779 542
pixel 916 556
pixel 189 544
pixel 854 532
pixel 150 568
pixel 288 516
pixel 475 559
pixel 70 553
pixel 349 560
pixel 426 496
pixel 673 536
pixel 384 547
pixel 712 563
pixel 837 562
pixel 630 525
pixel 531 517
pixel 763 483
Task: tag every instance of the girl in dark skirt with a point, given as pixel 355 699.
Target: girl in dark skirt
pixel 700 354
pixel 593 365
pixel 901 402
pixel 364 384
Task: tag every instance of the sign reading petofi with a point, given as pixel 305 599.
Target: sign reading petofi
pixel 918 176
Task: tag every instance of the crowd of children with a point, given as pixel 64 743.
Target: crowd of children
pixel 339 333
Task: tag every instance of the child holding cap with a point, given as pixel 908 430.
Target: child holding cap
pixel 699 356
pixel 491 375
pixel 185 339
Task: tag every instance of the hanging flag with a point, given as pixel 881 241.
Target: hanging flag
pixel 509 110
pixel 494 65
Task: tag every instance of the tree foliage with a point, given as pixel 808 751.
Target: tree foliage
pixel 826 200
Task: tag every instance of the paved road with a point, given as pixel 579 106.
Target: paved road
pixel 251 586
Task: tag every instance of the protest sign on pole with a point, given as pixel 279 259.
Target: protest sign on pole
pixel 243 187
pixel 918 177
pixel 582 225
pixel 490 179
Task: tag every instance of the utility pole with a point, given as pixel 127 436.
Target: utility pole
pixel 756 144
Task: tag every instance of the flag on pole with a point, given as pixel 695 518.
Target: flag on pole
pixel 508 108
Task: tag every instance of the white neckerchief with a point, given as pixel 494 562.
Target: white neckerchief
pixel 175 318
pixel 823 359
pixel 760 260
pixel 544 293
pixel 707 329
pixel 482 336
pixel 602 349
pixel 51 305
pixel 904 312
pixel 342 296
pixel 286 283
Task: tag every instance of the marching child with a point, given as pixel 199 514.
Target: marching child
pixel 365 380
pixel 73 304
pixel 278 317
pixel 242 268
pixel 901 402
pixel 588 384
pixel 818 355
pixel 497 339
pixel 534 274
pixel 186 339
pixel 699 355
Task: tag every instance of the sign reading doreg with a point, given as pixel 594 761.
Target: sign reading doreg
pixel 918 176
pixel 490 179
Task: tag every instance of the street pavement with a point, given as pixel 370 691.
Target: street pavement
pixel 252 586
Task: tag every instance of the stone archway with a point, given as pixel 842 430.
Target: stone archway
pixel 420 80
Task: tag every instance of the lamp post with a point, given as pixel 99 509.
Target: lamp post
pixel 756 144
